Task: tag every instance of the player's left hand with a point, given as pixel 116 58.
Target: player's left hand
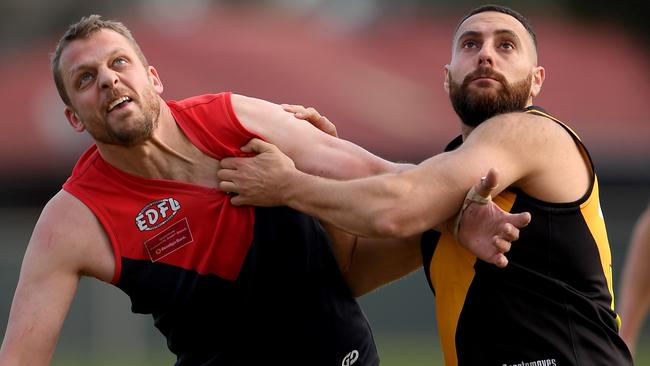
pixel 484 228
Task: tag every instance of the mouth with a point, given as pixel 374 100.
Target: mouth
pixel 478 78
pixel 118 103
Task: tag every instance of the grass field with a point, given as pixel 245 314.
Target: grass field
pixel 402 350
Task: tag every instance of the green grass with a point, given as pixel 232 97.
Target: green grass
pixel 401 350
pixel 643 352
pixel 408 350
pixel 394 349
pixel 68 359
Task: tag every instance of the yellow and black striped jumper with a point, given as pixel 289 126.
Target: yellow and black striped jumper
pixel 551 306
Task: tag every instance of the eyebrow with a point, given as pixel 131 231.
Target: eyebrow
pixel 75 69
pixel 498 32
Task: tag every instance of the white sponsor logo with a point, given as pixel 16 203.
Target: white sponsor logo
pixel 350 358
pixel 156 214
pixel 547 362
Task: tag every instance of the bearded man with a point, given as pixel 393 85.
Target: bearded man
pixel 553 303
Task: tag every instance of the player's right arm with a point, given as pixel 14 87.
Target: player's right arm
pixel 58 253
pixel 635 291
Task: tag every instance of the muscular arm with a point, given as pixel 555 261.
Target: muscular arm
pixel 412 201
pixel 53 263
pixel 366 263
pixel 635 292
pixel 312 150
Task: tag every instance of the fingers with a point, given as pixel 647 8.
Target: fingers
pixel 292 108
pixel 228 163
pixel 309 114
pixel 503 246
pixel 257 146
pixel 520 220
pixel 238 201
pixel 231 188
pixel 301 112
pixel 312 116
pixel 509 232
pixel 326 126
pixel 499 260
pixel 228 187
pixel 487 184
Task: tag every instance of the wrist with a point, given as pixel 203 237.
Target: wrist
pixel 295 180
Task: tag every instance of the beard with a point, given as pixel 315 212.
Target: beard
pixel 474 107
pixel 140 127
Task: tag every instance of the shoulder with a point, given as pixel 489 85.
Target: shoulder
pixel 520 129
pixel 245 106
pixel 71 235
pixel 65 210
pixel 264 118
pixel 517 121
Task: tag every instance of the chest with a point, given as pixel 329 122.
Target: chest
pixel 175 223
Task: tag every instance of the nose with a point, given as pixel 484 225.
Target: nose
pixel 485 56
pixel 107 78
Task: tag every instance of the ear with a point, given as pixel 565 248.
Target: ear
pixel 155 79
pixel 538 79
pixel 73 119
pixel 446 83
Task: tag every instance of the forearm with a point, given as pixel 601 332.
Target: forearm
pixel 387 205
pixel 33 328
pixel 340 204
pixel 377 262
pixel 390 205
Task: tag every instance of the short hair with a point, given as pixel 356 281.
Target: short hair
pixel 504 10
pixel 84 28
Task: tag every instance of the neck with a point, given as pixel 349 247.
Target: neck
pixel 465 130
pixel 161 156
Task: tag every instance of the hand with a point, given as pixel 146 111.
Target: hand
pixel 485 229
pixel 312 116
pixel 257 180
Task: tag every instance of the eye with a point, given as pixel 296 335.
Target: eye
pixel 119 61
pixel 507 45
pixel 84 79
pixel 470 44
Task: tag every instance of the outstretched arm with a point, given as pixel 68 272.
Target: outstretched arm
pixel 368 263
pixel 488 230
pixel 266 179
pixel 635 291
pixel 50 272
pixel 395 205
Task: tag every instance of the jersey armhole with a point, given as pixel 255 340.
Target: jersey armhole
pixel 428 243
pixel 101 217
pixel 227 100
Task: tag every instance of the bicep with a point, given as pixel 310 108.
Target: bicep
pixel 312 150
